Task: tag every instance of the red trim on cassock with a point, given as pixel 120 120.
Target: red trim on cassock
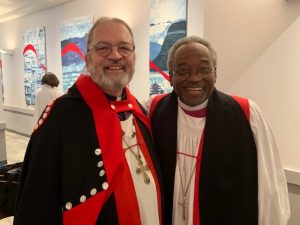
pixel 154 102
pixel 244 103
pixel 117 171
pixel 44 115
pixel 196 212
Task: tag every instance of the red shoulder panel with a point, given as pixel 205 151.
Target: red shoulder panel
pixel 154 102
pixel 244 103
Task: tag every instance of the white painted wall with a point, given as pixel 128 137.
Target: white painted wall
pixel 1 102
pixel 243 30
pixel 273 82
pixel 2 127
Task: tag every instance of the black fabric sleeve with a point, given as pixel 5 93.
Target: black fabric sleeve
pixel 39 198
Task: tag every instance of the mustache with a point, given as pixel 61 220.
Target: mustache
pixel 122 65
pixel 118 62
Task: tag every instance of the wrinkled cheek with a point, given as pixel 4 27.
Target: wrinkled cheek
pixel 97 70
pixel 92 70
pixel 96 74
pixel 89 68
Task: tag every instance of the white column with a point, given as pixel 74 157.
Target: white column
pixel 3 157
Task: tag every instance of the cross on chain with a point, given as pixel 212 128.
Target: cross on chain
pixel 142 169
pixel 184 205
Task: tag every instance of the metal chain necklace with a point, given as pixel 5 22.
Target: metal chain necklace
pixel 185 191
pixel 140 169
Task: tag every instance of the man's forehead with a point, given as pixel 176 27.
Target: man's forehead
pixel 110 31
pixel 194 47
pixel 192 52
pixel 200 62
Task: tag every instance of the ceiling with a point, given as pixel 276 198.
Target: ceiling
pixel 11 9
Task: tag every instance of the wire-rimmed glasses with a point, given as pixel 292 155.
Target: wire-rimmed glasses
pixel 104 49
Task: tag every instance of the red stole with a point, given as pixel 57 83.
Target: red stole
pixel 109 134
pixel 196 212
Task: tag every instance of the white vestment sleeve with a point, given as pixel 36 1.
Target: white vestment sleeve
pixel 273 199
pixel 147 104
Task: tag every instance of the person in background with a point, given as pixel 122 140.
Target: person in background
pixel 46 93
pixel 91 158
pixel 219 158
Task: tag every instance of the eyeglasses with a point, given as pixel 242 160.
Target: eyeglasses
pixel 104 49
pixel 201 70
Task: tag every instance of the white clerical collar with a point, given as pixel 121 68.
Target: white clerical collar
pixel 193 108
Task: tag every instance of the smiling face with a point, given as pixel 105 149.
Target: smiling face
pixel 114 71
pixel 194 75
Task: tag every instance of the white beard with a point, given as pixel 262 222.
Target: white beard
pixel 113 82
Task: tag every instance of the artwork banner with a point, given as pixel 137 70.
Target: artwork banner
pixel 74 34
pixel 167 25
pixel 34 54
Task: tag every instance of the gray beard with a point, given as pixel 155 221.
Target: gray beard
pixel 106 82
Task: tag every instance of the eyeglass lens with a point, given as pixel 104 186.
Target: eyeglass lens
pixel 104 49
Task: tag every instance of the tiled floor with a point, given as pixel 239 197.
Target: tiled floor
pixel 15 147
pixel 15 150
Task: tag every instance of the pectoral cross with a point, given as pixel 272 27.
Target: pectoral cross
pixel 184 205
pixel 143 169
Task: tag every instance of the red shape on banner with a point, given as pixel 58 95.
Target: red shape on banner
pixel 32 48
pixel 72 47
pixel 154 67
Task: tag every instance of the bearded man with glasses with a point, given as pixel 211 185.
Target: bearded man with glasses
pixel 91 159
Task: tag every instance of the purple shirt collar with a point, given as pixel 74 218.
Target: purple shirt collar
pixel 194 111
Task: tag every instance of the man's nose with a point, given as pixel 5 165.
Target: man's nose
pixel 114 54
pixel 195 75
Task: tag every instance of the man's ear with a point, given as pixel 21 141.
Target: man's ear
pixel 215 74
pixel 87 59
pixel 171 74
